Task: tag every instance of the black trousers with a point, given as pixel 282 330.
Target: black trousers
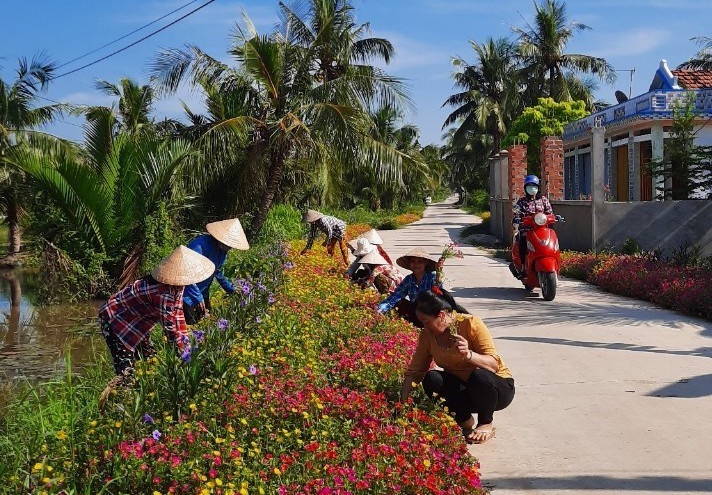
pixel 123 358
pixel 522 248
pixel 193 314
pixel 483 393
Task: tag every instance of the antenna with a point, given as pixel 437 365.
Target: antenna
pixel 631 71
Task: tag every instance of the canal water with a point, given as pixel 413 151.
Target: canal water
pixel 35 340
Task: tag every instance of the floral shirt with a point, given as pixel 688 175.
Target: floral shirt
pixel 409 288
pixel 133 311
pixel 384 278
pixel 334 229
pixel 533 206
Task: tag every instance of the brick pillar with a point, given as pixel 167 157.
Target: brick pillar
pixel 517 158
pixel 552 167
pixel 516 171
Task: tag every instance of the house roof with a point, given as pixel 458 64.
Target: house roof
pixel 694 79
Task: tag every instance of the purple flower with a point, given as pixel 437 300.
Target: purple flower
pixel 199 335
pixel 261 286
pixel 253 369
pixel 185 356
pixel 271 299
pixel 223 324
pixel 147 418
pixel 184 339
pixel 258 319
pixel 156 435
pixel 288 265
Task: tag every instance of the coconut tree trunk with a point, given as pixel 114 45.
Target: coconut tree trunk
pixel 277 160
pixel 14 236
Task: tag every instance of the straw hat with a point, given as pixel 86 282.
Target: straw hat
pixel 229 232
pixel 373 258
pixel 363 247
pixel 404 260
pixel 311 216
pixel 183 267
pixel 372 237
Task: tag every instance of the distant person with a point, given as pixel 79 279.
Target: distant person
pixel 530 204
pixel 424 277
pixel 127 317
pixel 473 379
pixel 334 229
pixel 375 239
pixel 363 247
pixel 221 237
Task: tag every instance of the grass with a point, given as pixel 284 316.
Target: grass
pixel 381 219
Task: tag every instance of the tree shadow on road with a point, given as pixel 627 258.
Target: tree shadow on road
pixel 687 388
pixel 618 346
pixel 663 484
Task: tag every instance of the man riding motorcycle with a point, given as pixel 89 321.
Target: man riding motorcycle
pixel 530 204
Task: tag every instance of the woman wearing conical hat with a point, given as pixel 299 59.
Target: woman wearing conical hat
pixel 221 237
pixel 128 316
pixel 375 239
pixel 334 228
pixel 356 270
pixel 381 274
pixel 424 277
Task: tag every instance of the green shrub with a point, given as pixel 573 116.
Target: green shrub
pixel 631 246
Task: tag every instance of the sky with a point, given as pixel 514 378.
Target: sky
pixel 426 34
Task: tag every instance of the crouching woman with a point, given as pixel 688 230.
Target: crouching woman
pixel 473 379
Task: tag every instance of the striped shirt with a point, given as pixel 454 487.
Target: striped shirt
pixel 133 311
pixel 334 229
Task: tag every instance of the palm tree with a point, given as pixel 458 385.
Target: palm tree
pixel 108 189
pixel 490 91
pixel 135 103
pixel 542 49
pixel 703 58
pixel 280 113
pixel 18 120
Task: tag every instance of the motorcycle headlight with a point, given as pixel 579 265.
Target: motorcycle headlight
pixel 540 219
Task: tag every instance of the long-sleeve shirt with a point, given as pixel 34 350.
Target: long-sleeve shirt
pixel 209 247
pixel 479 340
pixel 532 206
pixel 384 278
pixel 409 287
pixel 133 311
pixel 331 226
pixel 383 253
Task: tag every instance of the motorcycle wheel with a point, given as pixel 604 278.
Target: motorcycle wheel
pixel 548 282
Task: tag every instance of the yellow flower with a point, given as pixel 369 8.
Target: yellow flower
pixel 218 481
pixel 93 424
pixel 156 493
pixel 61 435
pixel 219 440
pixel 426 463
pixel 277 471
pixel 118 424
pixel 38 467
pixel 193 407
pixel 243 491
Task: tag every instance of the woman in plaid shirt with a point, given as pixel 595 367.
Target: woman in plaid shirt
pixel 334 229
pixel 128 316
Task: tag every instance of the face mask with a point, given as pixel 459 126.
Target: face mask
pixel 531 190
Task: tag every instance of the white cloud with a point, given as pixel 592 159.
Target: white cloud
pixel 94 98
pixel 634 42
pixel 410 53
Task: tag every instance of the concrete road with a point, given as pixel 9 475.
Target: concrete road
pixel 614 395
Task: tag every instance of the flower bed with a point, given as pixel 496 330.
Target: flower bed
pixel 287 391
pixel 682 288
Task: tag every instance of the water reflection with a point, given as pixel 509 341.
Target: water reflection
pixel 33 339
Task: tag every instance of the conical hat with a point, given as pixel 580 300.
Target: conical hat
pixel 373 258
pixel 311 216
pixel 372 237
pixel 404 260
pixel 363 247
pixel 183 267
pixel 229 232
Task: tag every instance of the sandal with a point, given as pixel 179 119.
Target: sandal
pixel 484 435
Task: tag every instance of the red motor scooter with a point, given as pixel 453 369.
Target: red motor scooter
pixel 542 261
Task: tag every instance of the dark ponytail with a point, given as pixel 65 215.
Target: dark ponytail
pixel 431 303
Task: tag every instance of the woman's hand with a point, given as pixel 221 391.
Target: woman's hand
pixel 462 346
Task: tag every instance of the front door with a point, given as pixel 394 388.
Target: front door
pixel 622 173
pixel 646 178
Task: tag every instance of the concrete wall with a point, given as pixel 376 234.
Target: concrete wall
pixel 655 224
pixel 574 234
pixel 501 220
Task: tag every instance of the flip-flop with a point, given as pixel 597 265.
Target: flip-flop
pixel 467 435
pixel 487 434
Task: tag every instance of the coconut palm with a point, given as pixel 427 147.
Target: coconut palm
pixel 490 95
pixel 109 188
pixel 134 106
pixel 542 46
pixel 19 119
pixel 280 113
pixel 703 58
